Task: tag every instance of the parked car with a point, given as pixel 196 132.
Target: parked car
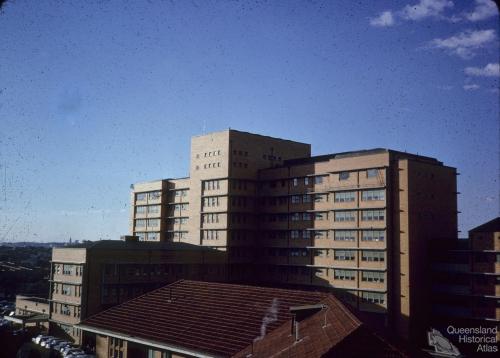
pixel 51 343
pixel 67 348
pixel 36 338
pixel 44 339
pixel 73 352
pixel 59 346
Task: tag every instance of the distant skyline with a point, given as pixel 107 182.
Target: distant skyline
pixel 95 96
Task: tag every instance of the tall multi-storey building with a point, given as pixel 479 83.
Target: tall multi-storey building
pixel 357 222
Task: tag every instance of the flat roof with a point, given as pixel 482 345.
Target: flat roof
pixel 136 245
pixel 250 133
pixel 355 153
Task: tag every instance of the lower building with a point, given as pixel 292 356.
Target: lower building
pixel 201 319
pixel 94 276
pixel 466 282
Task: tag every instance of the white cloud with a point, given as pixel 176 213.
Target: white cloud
pixel 384 19
pixel 464 43
pixel 425 8
pixel 490 70
pixel 484 9
pixel 471 87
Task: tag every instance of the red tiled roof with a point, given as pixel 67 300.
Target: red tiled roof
pixel 214 318
pixel 342 336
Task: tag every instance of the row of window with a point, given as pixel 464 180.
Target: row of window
pixel 210 154
pixel 366 215
pixel 240 152
pixel 67 310
pixel 139 223
pixel 339 255
pixel 210 234
pixel 337 235
pixel 210 218
pixel 177 221
pixel 180 193
pixel 339 216
pixel 152 195
pixel 319 179
pixel 181 207
pixel 240 164
pixel 65 269
pixel 148 236
pixel 211 185
pixel 67 290
pixel 366 276
pixel 210 165
pixel 149 209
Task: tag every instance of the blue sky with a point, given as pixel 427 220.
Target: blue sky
pixel 97 95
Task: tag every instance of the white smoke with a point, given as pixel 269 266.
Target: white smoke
pixel 270 317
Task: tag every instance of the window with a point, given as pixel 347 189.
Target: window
pixel 141 236
pixel 320 234
pixel 373 235
pixel 295 217
pixel 153 236
pixel 65 310
pixel 373 195
pixel 319 179
pixel 306 181
pixel 68 269
pixel 373 215
pixel 371 173
pixel 210 234
pixel 345 235
pixel 306 198
pixel 320 198
pixel 306 234
pixel 211 185
pixel 154 195
pixel 321 253
pixel 295 199
pixel 373 297
pixel 344 255
pixel 298 252
pixel 341 216
pixel 154 209
pixel 295 182
pixel 67 290
pixel 373 256
pixel 320 216
pixel 372 276
pixel 344 274
pixel 140 210
pixel 153 222
pixel 210 218
pixel 294 234
pixel 140 197
pixel 343 175
pixel 306 216
pixel 140 223
pixel 345 196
